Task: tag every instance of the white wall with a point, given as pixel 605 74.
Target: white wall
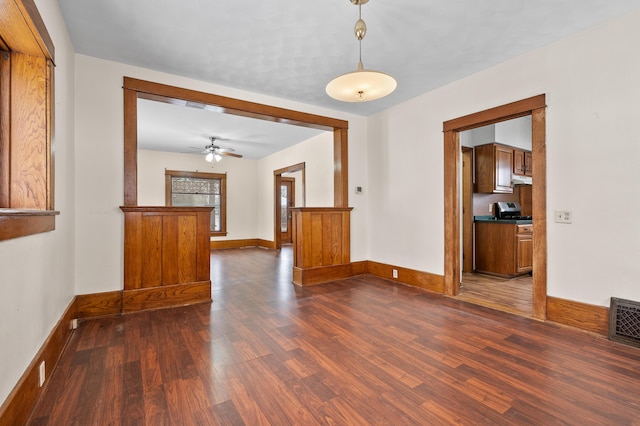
pixel 591 83
pixel 516 132
pixel 317 154
pixel 242 195
pixel 99 170
pixel 36 278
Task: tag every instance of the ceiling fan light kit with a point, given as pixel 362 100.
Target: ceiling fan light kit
pixel 362 84
pixel 214 152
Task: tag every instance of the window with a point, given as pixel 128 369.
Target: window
pixel 199 189
pixel 26 116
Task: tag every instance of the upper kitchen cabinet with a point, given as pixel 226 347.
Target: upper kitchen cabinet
pixel 494 167
pixel 522 162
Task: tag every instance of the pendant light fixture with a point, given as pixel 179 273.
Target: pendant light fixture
pixel 362 84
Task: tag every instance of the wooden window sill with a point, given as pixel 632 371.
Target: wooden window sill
pixel 218 234
pixel 20 223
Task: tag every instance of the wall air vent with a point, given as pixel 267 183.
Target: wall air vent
pixel 624 321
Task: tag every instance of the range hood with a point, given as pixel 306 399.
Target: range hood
pixel 521 180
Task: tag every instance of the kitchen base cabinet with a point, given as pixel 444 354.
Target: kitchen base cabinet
pixel 504 249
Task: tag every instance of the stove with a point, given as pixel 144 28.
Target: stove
pixel 509 210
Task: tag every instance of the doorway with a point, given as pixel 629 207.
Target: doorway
pixel 536 108
pixel 282 215
pixel 287 200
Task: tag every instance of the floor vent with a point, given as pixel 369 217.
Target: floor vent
pixel 624 321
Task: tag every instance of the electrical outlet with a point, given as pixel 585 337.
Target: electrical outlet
pixel 563 216
pixel 394 273
pixel 74 324
pixel 359 190
pixel 41 374
pixel 490 207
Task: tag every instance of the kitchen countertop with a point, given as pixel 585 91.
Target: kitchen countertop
pixel 492 219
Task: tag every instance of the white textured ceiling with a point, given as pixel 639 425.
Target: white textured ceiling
pixel 292 49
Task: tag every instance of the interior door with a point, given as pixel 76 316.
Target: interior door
pixel 287 200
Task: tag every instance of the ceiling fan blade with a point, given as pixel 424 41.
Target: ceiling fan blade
pixel 226 150
pixel 229 154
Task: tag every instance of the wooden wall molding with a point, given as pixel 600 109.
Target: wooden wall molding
pixel 412 277
pixel 99 304
pixel 18 406
pixel 583 316
pixel 321 274
pixel 248 242
pixel 166 296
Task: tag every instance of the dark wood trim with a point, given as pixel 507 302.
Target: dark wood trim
pixel 130 147
pixel 18 406
pixel 99 304
pixel 536 107
pixel 14 225
pixel 340 167
pixel 271 245
pixel 134 88
pixel 505 112
pixel 321 274
pixel 168 174
pixel 41 36
pixel 166 296
pixel 5 130
pixel 451 213
pixel 277 178
pixel 229 244
pixel 277 210
pixel 359 267
pixel 159 92
pixel 592 318
pixel 539 204
pixel 412 277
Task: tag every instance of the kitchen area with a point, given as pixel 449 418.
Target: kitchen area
pixel 497 222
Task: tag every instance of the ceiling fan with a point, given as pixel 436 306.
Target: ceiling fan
pixel 214 152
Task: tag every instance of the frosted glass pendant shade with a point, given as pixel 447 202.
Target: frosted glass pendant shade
pixel 361 85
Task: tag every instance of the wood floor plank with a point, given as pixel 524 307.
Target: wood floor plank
pixel 358 351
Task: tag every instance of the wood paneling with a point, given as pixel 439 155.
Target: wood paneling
pixel 321 238
pixel 16 408
pixel 321 274
pixel 165 246
pixel 29 124
pixel 579 315
pixel 26 120
pixel 231 244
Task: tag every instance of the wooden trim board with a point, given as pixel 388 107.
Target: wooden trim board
pixel 18 406
pixel 249 242
pixel 578 315
pixel 412 277
pixel 166 296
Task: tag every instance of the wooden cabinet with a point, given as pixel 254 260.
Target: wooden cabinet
pixel 526 199
pixel 522 162
pixel 504 249
pixel 524 248
pixel 494 167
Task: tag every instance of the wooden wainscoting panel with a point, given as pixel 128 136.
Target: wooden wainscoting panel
pixel 408 276
pixel 166 296
pixel 99 304
pixel 17 407
pixel 579 315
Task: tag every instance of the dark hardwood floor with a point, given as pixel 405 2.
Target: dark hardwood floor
pixel 355 352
